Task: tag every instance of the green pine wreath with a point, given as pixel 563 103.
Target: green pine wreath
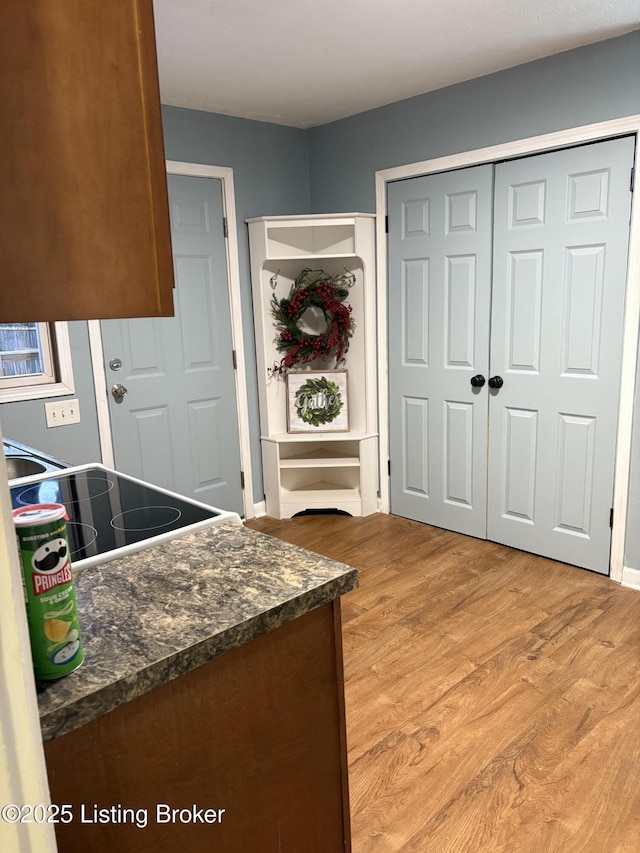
pixel 326 292
pixel 318 401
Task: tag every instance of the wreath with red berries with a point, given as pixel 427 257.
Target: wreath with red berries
pixel 326 292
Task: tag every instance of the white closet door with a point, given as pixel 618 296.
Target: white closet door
pixel 561 234
pixel 439 294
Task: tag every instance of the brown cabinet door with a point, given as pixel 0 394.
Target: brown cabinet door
pixel 256 735
pixel 84 219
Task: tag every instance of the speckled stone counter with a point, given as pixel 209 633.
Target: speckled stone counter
pixel 154 615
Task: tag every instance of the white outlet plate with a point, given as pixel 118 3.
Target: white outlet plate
pixel 62 412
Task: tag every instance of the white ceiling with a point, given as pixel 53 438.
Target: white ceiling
pixel 307 62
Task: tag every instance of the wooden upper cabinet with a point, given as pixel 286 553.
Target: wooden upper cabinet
pixel 84 216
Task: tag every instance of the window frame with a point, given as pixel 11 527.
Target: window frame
pixel 55 337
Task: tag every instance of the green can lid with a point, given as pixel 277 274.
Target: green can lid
pixel 32 514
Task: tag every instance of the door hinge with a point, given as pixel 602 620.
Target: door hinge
pixel 225 226
pixel 242 479
pixel 611 517
pixel 386 225
pixel 235 359
pixel 633 180
pixel 389 466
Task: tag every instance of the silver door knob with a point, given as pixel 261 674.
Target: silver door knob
pixel 119 392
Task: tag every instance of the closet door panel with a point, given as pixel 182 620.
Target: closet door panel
pixel 439 284
pixel 561 228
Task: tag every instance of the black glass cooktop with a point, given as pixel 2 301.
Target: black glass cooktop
pixel 111 514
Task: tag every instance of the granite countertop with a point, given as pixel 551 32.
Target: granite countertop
pixel 151 616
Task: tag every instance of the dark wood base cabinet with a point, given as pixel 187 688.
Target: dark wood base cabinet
pixel 246 754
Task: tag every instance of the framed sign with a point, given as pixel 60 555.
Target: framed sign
pixel 317 401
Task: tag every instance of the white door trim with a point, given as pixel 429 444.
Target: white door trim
pixel 225 175
pixel 101 392
pixel 537 144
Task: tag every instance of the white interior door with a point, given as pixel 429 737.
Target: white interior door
pixel 177 424
pixel 559 237
pixel 439 297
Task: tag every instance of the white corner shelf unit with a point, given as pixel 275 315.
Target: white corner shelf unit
pixel 317 470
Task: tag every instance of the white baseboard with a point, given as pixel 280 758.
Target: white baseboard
pixel 631 578
pixel 260 509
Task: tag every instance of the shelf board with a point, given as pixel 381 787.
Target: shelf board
pixel 320 491
pixel 295 437
pixel 302 219
pixel 322 458
pixel 312 257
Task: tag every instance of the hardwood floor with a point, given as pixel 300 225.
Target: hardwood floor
pixel 493 697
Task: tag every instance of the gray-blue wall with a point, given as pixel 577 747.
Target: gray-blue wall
pixel 590 84
pixel 77 443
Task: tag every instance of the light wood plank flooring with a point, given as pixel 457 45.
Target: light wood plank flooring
pixel 493 697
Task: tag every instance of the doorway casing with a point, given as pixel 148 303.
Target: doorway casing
pixel 630 125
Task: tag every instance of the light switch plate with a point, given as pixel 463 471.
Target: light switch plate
pixel 62 412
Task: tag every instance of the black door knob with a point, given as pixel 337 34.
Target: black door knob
pixel 496 382
pixel 478 381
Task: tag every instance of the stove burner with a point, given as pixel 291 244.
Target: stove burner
pixel 48 491
pixel 82 534
pixel 146 518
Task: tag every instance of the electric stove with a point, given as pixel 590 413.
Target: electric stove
pixel 113 514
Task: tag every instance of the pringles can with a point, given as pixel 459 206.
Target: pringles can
pixel 52 609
